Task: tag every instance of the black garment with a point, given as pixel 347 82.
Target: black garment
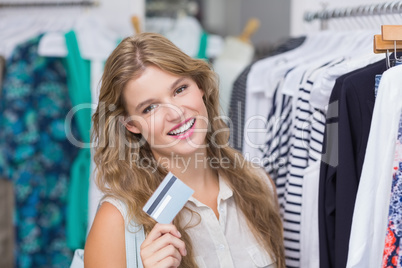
pixel 347 129
pixel 237 107
pixel 289 44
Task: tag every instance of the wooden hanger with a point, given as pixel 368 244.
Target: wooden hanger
pixel 391 32
pixel 135 21
pixel 389 40
pixel 251 27
pixel 381 46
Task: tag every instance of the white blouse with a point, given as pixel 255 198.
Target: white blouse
pixel 227 241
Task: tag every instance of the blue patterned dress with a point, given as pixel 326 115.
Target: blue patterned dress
pixel 36 155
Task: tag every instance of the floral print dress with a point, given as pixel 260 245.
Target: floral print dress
pixel 36 155
pixel 392 256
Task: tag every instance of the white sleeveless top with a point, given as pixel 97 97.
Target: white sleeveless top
pixel 227 242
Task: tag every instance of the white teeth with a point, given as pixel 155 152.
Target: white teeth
pixel 183 128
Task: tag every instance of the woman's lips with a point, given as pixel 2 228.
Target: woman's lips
pixel 186 132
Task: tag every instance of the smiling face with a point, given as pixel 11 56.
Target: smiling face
pixel 168 111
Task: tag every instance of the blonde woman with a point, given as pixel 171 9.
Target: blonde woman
pixel 159 112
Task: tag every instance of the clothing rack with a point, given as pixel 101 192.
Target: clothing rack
pixel 170 8
pixel 49 4
pixel 324 15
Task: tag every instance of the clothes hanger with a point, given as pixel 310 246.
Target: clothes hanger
pixel 389 40
pixel 381 45
pixel 392 33
pixel 251 27
pixel 135 21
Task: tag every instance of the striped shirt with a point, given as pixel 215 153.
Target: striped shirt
pixel 293 142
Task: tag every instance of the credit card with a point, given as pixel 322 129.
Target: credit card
pixel 168 199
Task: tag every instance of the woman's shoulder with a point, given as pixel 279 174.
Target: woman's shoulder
pixel 105 245
pixel 118 204
pixel 112 206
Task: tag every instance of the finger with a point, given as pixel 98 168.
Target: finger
pixel 166 252
pixel 159 230
pixel 164 241
pixel 169 262
pixel 168 239
pixel 151 258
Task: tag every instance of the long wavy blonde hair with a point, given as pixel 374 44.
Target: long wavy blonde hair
pixel 117 172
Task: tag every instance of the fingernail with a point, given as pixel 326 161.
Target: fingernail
pixel 185 251
pixel 178 233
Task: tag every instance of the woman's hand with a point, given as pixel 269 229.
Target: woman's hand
pixel 163 247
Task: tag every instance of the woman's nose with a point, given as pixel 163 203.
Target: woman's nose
pixel 174 112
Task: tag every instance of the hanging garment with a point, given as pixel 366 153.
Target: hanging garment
pixel 392 255
pixel 2 70
pixel 370 214
pixel 276 149
pixel 202 51
pixel 305 147
pixel 314 126
pixel 96 41
pixel 327 184
pixel 79 88
pixel 186 33
pixel 288 44
pixel 236 110
pixel 36 154
pixel 235 56
pixel 309 238
pixel 94 194
pixel 298 161
pixel 6 224
pixel 322 89
pixel 295 130
pixel 293 143
pixel 238 95
pixel 263 78
pixel 353 101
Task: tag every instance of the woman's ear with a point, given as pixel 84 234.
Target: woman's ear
pixel 129 124
pixel 202 92
pixel 133 129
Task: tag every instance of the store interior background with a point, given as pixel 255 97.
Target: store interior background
pixel 279 20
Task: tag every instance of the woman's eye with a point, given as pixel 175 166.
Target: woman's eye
pixel 149 108
pixel 180 90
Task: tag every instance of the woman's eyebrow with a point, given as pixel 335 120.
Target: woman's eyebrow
pixel 149 101
pixel 177 82
pixel 144 103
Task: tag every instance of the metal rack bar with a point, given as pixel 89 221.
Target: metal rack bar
pixel 394 7
pixel 49 4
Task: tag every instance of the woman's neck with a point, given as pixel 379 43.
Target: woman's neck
pixel 195 170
